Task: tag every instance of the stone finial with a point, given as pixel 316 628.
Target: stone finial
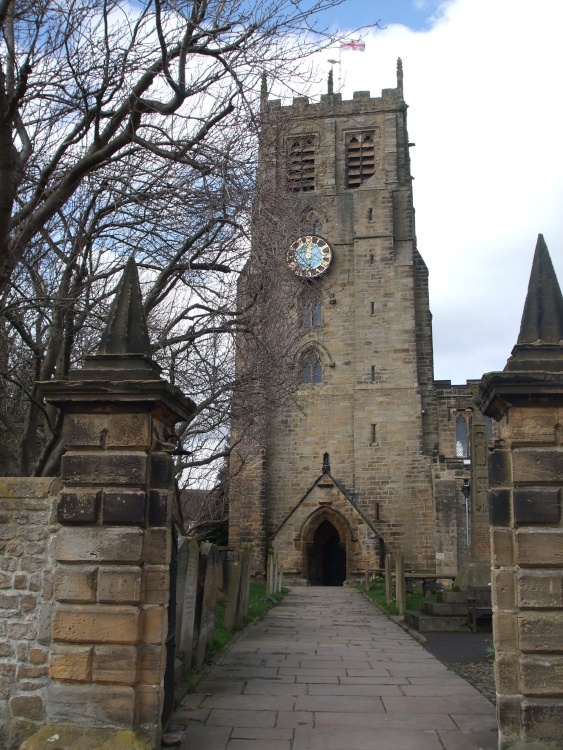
pixel 542 319
pixel 400 75
pixel 540 342
pixel 125 351
pixel 330 82
pixel 263 91
pixel 126 330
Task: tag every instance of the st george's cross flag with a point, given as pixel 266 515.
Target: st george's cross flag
pixel 352 46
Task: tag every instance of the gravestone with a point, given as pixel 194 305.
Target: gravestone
pixel 242 608
pixel 400 583
pixel 187 615
pixel 271 575
pixel 181 570
pixel 233 594
pixel 388 580
pixel 206 600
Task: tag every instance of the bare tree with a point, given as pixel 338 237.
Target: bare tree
pixel 131 129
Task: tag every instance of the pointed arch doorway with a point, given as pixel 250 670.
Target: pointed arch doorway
pixel 326 556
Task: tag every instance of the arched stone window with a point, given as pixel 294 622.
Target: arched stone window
pixel 311 368
pixel 461 437
pixel 312 313
pixel 360 158
pixel 301 164
pixel 312 224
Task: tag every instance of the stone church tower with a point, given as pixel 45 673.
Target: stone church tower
pixel 344 469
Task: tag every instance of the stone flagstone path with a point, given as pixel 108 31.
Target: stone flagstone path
pixel 325 670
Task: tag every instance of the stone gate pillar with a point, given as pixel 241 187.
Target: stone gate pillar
pixel 113 550
pixel 526 527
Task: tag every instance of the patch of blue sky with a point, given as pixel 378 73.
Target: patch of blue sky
pixel 417 15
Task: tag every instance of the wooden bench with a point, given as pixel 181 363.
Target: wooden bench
pixel 479 604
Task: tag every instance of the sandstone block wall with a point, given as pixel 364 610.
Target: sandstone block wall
pixel 527 557
pixel 26 585
pixel 111 559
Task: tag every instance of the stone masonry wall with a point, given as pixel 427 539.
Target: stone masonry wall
pixel 527 559
pixel 111 562
pixel 26 584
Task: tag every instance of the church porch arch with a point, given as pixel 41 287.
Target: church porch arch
pixel 327 540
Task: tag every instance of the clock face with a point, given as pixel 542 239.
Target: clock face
pixel 309 256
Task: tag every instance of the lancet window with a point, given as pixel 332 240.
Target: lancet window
pixel 360 158
pixel 301 164
pixel 311 368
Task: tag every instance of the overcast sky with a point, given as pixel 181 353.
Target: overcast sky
pixel 482 79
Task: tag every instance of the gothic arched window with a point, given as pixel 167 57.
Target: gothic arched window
pixel 301 166
pixel 311 368
pixel 461 437
pixel 360 159
pixel 312 310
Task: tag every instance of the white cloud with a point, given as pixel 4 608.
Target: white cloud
pixel 483 90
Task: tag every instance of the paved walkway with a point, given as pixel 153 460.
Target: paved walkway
pixel 325 670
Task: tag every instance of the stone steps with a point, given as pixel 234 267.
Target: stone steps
pixel 451 597
pixel 445 609
pixel 427 623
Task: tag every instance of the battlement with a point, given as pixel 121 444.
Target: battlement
pixel 331 104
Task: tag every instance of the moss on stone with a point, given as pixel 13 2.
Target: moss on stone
pixel 57 737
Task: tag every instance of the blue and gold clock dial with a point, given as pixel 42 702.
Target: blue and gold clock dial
pixel 309 256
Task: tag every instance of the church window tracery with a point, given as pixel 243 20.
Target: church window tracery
pixel 360 158
pixel 311 368
pixel 301 164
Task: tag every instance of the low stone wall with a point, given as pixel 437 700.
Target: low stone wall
pixel 26 585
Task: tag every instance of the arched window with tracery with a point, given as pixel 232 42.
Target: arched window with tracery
pixel 360 158
pixel 301 164
pixel 311 368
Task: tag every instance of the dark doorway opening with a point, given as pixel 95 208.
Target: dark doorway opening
pixel 327 557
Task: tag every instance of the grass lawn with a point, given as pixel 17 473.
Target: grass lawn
pixel 376 593
pixel 258 603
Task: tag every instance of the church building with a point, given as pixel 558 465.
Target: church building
pixel 370 455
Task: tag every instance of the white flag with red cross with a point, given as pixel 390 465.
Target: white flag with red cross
pixel 352 46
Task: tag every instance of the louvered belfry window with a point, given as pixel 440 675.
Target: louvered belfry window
pixel 360 161
pixel 301 167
